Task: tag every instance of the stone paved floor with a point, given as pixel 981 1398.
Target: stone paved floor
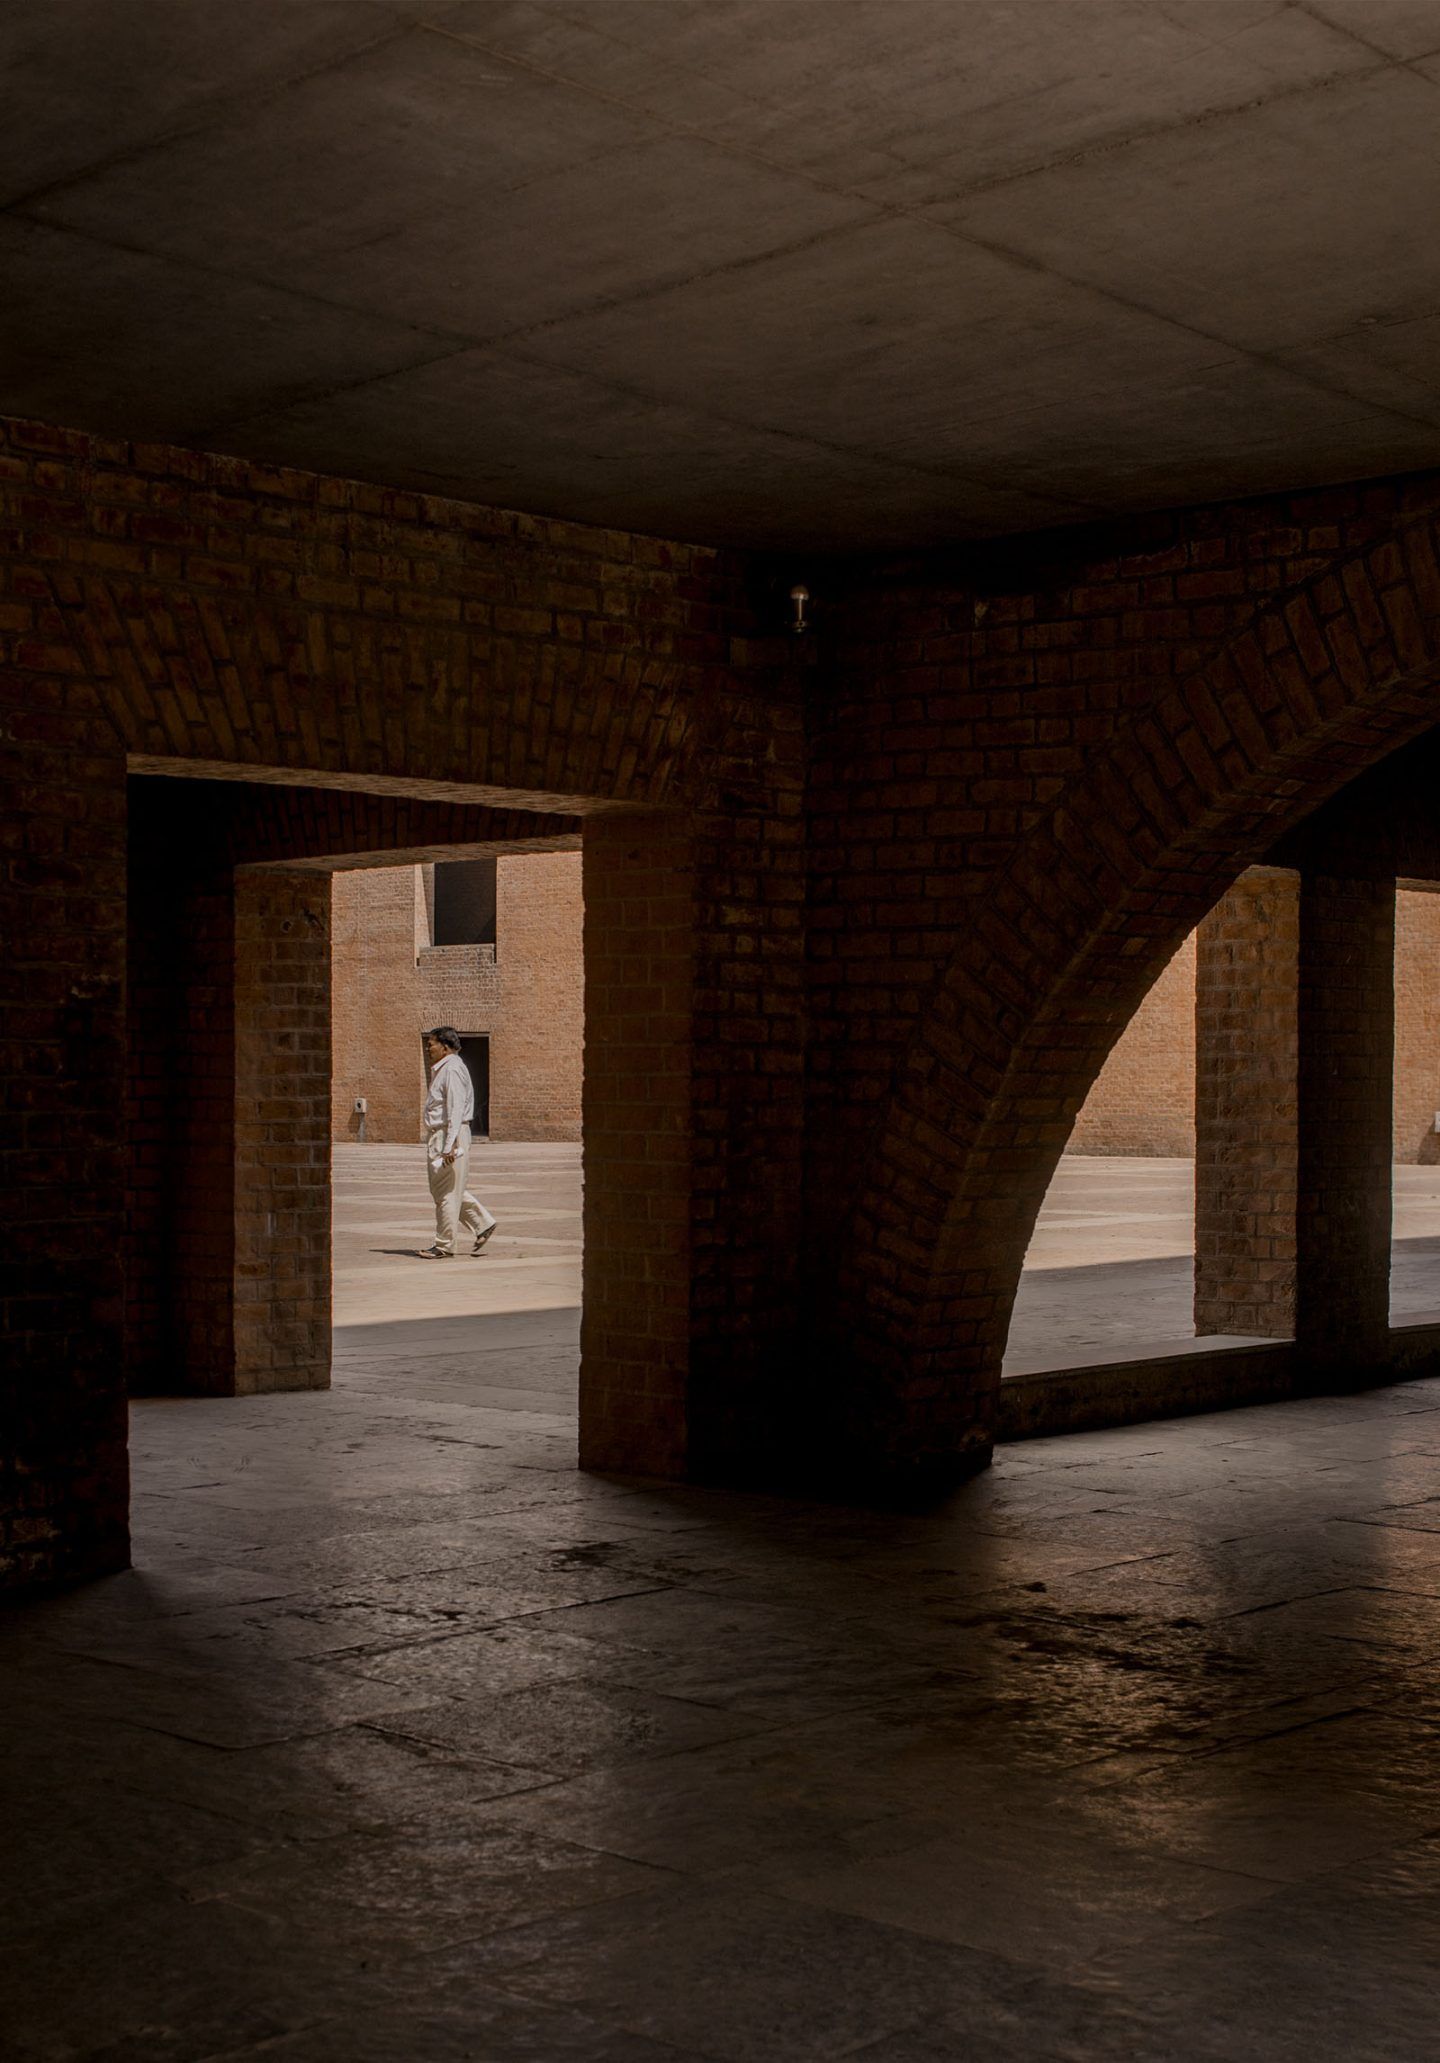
pixel 403 1741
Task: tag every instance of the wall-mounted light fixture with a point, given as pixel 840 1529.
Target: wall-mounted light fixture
pixel 799 596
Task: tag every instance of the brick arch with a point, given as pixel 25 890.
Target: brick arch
pixel 1061 949
pixel 633 703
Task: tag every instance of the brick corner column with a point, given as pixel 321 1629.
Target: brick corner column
pixel 179 1102
pixel 1294 1087
pixel 282 1308
pixel 64 1470
pixel 1346 1089
pixel 228 1114
pixel 1246 1107
pixel 635 1335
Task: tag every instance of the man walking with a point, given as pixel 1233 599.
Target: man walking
pixel 449 1107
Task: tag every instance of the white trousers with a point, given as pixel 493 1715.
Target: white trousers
pixel 451 1198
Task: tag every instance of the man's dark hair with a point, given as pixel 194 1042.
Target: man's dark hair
pixel 447 1035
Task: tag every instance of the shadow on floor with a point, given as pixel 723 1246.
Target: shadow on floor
pixel 506 1360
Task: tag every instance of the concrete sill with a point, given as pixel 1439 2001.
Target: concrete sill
pixel 1178 1378
pixel 1027 1367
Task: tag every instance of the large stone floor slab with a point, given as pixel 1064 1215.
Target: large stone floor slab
pixel 404 1741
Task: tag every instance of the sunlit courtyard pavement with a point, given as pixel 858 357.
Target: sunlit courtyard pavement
pixel 1111 1263
pixel 404 1741
pixel 1110 1266
pixel 407 1327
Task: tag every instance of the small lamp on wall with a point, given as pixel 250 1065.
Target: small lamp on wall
pixel 799 599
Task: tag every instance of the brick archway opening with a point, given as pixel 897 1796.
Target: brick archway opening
pixel 1064 944
pixel 1108 1276
pixel 1311 978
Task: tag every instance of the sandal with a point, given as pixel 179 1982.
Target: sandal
pixel 434 1253
pixel 480 1239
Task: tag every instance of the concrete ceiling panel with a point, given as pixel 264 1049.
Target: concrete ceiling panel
pixel 599 55
pixel 98 337
pixel 1268 228
pixel 839 271
pixel 1401 28
pixel 348 159
pixel 1226 427
pixel 558 441
pixel 1392 365
pixel 910 77
pixel 583 238
pixel 87 80
pixel 1008 89
pixel 895 338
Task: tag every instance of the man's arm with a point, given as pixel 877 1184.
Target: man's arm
pixel 450 1092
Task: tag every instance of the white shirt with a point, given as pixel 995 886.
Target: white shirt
pixel 449 1101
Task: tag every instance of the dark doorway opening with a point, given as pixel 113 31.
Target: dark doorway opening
pixel 475 1052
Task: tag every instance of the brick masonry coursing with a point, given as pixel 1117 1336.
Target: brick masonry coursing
pixel 867 925
pixel 1143 1101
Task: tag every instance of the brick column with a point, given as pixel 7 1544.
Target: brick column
pixel 640 922
pixel 1346 1063
pixel 63 1464
pixel 180 1105
pixel 693 1128
pixel 281 1178
pixel 1294 1063
pixel 228 1259
pixel 1246 1111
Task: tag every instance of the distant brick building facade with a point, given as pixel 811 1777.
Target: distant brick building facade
pixel 515 997
pixel 1144 1098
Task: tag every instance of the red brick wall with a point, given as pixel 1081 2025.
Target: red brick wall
pixel 459 985
pixel 538 1033
pixel 1417 1026
pixel 761 1408
pixel 1143 1100
pixel 1246 1107
pixel 526 993
pixel 376 920
pixel 281 1172
pixel 959 705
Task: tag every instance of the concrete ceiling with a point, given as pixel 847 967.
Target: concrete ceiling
pixel 838 273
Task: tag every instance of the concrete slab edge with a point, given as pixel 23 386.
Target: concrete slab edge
pixel 1194 1377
